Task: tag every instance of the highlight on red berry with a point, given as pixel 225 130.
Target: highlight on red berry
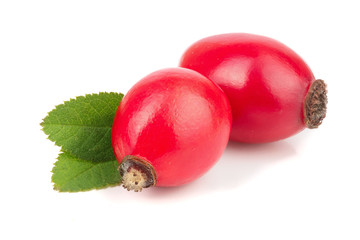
pixel 170 129
pixel 272 92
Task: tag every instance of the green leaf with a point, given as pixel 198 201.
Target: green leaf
pixel 72 174
pixel 82 126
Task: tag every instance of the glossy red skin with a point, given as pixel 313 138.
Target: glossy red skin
pixel 266 83
pixel 175 119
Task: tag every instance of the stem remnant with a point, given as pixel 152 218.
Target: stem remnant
pixel 315 104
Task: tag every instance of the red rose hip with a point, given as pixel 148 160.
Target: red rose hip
pixel 272 92
pixel 170 128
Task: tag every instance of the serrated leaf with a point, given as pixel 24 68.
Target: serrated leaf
pixel 82 126
pixel 72 174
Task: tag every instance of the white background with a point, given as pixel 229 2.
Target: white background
pixel 304 187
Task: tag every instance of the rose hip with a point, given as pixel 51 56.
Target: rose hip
pixel 272 92
pixel 170 128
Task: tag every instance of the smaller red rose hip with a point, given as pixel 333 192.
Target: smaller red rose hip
pixel 170 129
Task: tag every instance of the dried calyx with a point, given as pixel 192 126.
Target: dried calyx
pixel 315 104
pixel 136 173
